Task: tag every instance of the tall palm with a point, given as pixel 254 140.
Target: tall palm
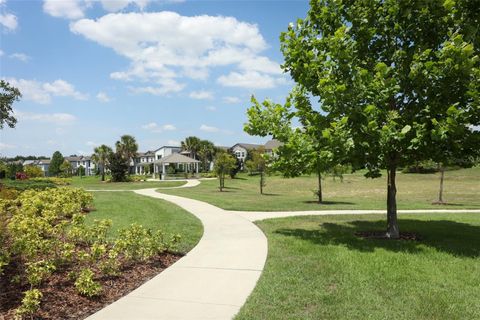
pixel 127 146
pixel 206 151
pixel 192 145
pixel 100 157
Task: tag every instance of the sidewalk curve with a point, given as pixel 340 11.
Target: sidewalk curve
pixel 212 281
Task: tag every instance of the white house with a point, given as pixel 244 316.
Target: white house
pixel 240 150
pixel 82 161
pixel 166 151
pixel 143 162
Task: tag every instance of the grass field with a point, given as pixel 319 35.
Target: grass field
pixel 415 191
pixel 125 208
pixel 318 269
pixel 94 183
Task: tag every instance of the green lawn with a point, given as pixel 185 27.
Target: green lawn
pixel 125 208
pixel 318 269
pixel 415 191
pixel 94 183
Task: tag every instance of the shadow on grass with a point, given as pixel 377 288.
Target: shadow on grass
pixel 452 237
pixel 270 194
pixel 328 203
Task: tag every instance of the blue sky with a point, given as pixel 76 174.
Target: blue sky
pixel 91 71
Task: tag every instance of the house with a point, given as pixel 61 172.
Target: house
pixel 143 162
pixel 82 161
pixel 166 151
pixel 240 150
pixel 271 146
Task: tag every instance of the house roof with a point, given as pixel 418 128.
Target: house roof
pixel 176 158
pixel 44 161
pixel 248 146
pixel 172 147
pixel 273 144
pixel 146 154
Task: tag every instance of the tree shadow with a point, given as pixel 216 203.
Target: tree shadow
pixel 270 194
pixel 456 238
pixel 328 203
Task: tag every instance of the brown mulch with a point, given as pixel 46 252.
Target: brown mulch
pixel 382 236
pixel 61 301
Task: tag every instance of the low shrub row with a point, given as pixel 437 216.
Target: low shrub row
pixel 44 232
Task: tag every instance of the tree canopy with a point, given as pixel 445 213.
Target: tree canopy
pixel 100 157
pixel 403 75
pixel 8 95
pixel 55 163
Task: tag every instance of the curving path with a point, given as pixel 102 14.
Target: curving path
pixel 215 278
pixel 212 281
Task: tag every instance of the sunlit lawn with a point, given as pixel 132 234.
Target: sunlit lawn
pixel 318 269
pixel 125 208
pixel 94 183
pixel 415 191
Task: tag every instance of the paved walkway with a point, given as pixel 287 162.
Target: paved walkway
pixel 211 282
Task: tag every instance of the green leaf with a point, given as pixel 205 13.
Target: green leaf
pixel 406 129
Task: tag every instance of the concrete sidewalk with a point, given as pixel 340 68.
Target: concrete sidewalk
pixel 212 281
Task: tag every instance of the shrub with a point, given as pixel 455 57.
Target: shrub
pixel 44 231
pixel 30 303
pixel 21 176
pixel 85 284
pixel 118 166
pixel 33 171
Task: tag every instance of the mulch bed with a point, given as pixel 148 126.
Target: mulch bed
pixel 61 301
pixel 382 236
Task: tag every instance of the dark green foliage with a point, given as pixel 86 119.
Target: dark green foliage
pixel 12 168
pixel 118 166
pixel 8 95
pixel 29 184
pixel 55 163
pixel 237 167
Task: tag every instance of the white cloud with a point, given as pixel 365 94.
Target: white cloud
pixel 42 92
pixel 154 127
pixel 249 80
pixel 206 128
pixel 20 56
pixel 9 21
pixel 5 146
pixel 69 9
pixel 60 119
pixel 165 45
pixel 231 100
pixel 103 97
pixel 211 108
pixel 167 86
pixel 201 95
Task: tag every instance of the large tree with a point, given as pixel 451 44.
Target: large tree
pixel 206 153
pixel 100 157
pixel 55 163
pixel 127 146
pixel 403 73
pixel 8 95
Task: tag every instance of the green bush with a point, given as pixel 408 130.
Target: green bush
pixel 22 185
pixel 33 171
pixel 44 231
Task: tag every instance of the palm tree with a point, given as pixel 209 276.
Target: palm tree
pixel 192 145
pixel 100 157
pixel 127 146
pixel 206 152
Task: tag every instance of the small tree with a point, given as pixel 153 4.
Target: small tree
pixel 224 163
pixel 66 169
pixel 8 95
pixel 81 171
pixel 118 166
pixel 13 168
pixel 258 164
pixel 237 167
pixel 54 167
pixel 127 146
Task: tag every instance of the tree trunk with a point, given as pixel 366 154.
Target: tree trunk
pixel 261 182
pixel 392 223
pixel 103 173
pixel 442 176
pixel 319 193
